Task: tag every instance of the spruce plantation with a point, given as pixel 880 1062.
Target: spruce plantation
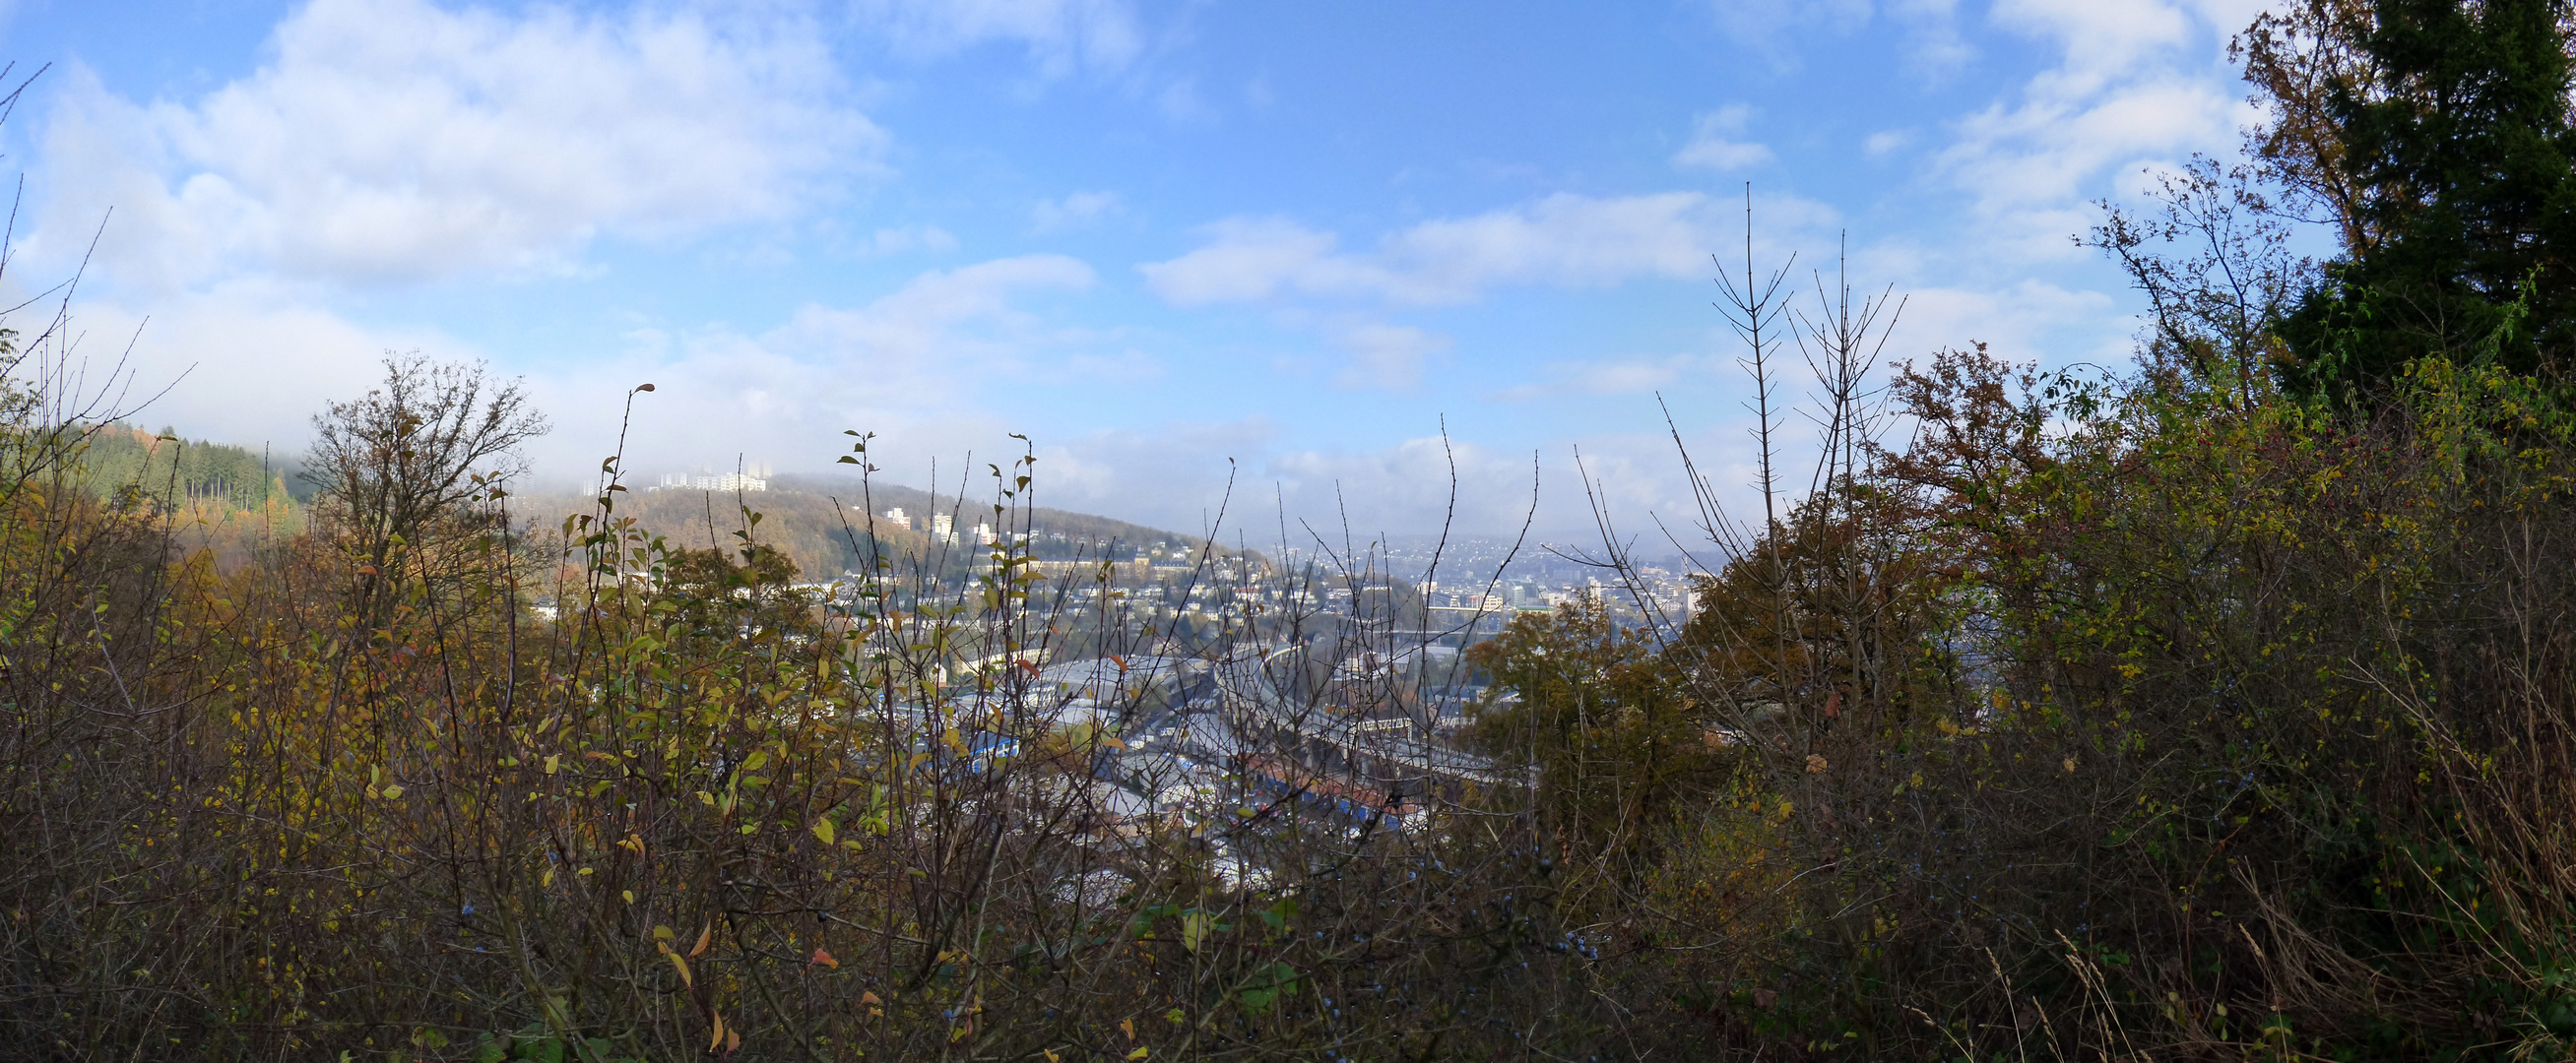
pixel 2219 704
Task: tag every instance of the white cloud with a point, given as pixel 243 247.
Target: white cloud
pixel 1711 145
pixel 239 367
pixel 1060 35
pixel 1404 488
pixel 2100 40
pixel 2019 322
pixel 1075 211
pixel 1770 25
pixel 1775 29
pixel 1935 48
pixel 2136 83
pixel 914 329
pixel 397 140
pixel 1170 476
pixel 911 363
pixel 907 239
pixel 1174 476
pixel 1621 377
pixel 1563 239
pixel 1247 259
pixel 1180 104
pixel 1386 357
pixel 1400 488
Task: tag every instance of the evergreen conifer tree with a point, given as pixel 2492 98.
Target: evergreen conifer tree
pixel 2451 130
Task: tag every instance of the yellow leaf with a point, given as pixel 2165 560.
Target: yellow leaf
pixel 393 791
pixel 823 830
pixel 683 965
pixel 553 761
pixel 715 1036
pixel 703 937
pixel 1139 1053
pixel 733 1041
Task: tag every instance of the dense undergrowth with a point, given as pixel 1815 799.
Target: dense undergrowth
pixel 2219 707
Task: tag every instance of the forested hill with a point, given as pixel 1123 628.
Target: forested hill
pixel 821 523
pixel 166 467
pixel 1058 526
pixel 811 518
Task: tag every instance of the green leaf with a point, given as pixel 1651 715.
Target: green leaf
pixel 1281 981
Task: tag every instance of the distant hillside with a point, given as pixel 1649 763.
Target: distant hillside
pixel 119 456
pixel 1051 525
pixel 223 499
pixel 227 493
pixel 822 523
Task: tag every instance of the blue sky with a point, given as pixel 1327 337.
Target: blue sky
pixel 1150 236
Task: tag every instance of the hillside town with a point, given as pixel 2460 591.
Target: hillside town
pixel 1203 683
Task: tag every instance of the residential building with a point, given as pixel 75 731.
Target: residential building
pixel 708 481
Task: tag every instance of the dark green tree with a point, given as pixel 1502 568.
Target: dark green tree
pixel 2438 134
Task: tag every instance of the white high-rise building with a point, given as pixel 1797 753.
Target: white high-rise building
pixel 943 527
pixel 896 517
pixel 707 481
